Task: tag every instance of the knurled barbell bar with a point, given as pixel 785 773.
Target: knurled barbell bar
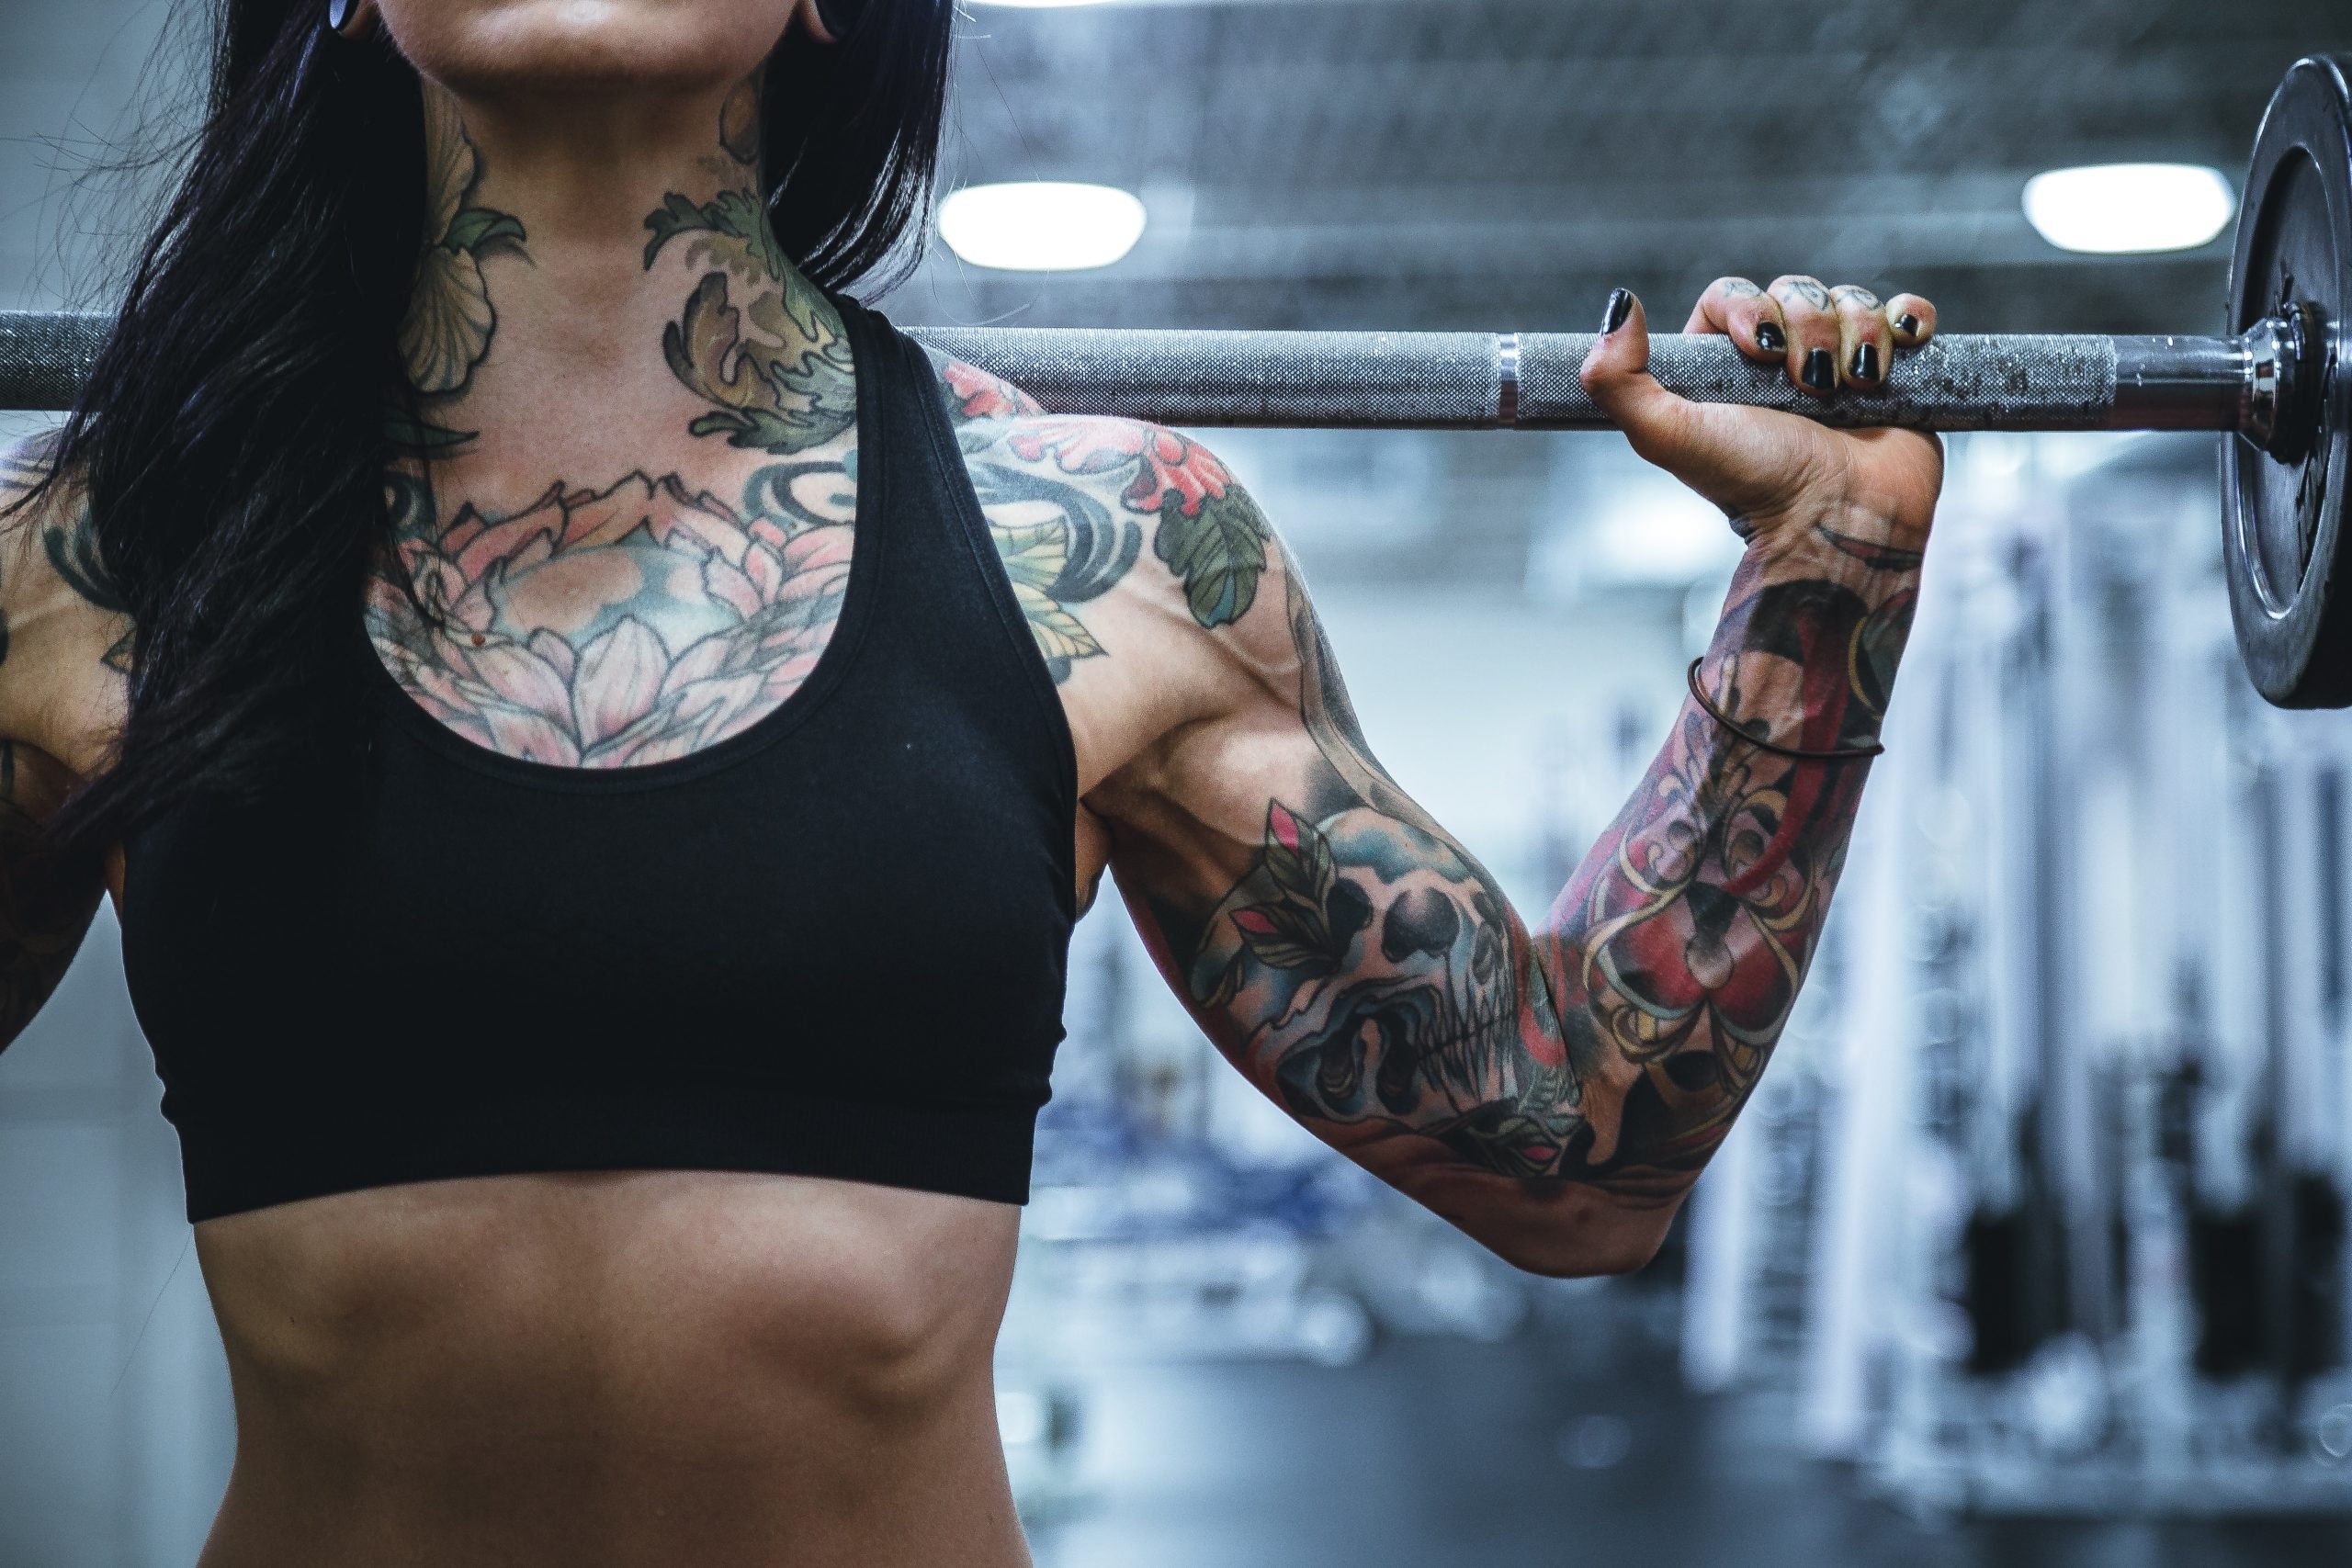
pixel 2269 380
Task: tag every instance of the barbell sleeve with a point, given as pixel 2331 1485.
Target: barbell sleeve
pixel 1484 380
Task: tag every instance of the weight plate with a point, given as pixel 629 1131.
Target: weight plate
pixel 2282 521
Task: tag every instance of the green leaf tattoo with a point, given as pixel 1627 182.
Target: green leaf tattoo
pixel 450 320
pixel 777 371
pixel 1210 534
pixel 734 215
pixel 476 227
pixel 767 398
pixel 1218 550
pixel 1036 559
pixel 1306 925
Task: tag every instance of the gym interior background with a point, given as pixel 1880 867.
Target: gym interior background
pixel 2031 1250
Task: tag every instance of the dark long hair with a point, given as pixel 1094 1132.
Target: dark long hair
pixel 230 441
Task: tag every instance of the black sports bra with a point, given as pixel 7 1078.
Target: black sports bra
pixel 832 943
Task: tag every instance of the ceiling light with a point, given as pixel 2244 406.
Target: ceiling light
pixel 1040 5
pixel 1041 226
pixel 2111 209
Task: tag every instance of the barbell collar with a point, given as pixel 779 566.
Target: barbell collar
pixel 1522 381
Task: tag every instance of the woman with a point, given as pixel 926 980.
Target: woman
pixel 604 1006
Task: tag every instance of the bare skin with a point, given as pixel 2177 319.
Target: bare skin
pixel 625 505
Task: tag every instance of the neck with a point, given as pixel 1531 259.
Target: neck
pixel 606 270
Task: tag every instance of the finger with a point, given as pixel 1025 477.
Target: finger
pixel 1813 333
pixel 1715 448
pixel 1865 341
pixel 1744 313
pixel 1616 377
pixel 1912 318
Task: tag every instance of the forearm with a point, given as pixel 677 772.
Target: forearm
pixel 1675 956
pixel 1552 1091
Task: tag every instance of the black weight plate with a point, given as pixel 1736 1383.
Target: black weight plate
pixel 2282 521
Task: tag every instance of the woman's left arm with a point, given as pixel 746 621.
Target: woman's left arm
pixel 1553 1091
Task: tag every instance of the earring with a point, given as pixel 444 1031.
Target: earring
pixel 352 18
pixel 838 16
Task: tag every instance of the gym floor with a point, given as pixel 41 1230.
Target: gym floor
pixel 1446 1451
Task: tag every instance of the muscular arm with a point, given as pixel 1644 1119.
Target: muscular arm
pixel 1553 1090
pixel 52 601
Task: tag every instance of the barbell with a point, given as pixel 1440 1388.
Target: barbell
pixel 2268 381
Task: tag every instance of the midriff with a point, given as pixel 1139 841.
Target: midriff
pixel 656 1369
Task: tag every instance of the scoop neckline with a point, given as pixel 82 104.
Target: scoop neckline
pixel 832 663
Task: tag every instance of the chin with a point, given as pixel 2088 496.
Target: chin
pixel 488 46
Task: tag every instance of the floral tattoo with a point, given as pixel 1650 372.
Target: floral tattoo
pixel 1069 497
pixel 450 320
pixel 643 620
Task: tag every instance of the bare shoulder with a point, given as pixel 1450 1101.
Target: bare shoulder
pixel 1125 542
pixel 64 634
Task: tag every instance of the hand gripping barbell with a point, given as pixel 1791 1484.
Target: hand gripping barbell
pixel 2271 381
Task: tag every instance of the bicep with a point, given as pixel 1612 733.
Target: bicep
pixel 1342 948
pixel 1335 942
pixel 1348 955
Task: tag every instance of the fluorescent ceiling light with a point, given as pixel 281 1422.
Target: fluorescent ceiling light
pixel 1041 226
pixel 2111 209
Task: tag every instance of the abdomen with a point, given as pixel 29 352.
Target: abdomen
pixel 641 1368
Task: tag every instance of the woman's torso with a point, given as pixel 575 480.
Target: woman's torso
pixel 640 1366
pixel 651 1367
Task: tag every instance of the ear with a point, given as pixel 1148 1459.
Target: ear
pixel 352 18
pixel 829 21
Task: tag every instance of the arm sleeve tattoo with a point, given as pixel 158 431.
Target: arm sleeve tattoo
pixel 1369 974
pixel 1344 950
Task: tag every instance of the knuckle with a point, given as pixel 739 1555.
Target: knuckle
pixel 1801 296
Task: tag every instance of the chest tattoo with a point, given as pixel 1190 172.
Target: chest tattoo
pixel 632 617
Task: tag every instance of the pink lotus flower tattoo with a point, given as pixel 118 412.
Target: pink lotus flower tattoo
pixel 613 629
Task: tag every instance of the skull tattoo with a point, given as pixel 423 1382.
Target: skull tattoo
pixel 1379 963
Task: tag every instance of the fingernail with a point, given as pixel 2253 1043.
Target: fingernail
pixel 1908 324
pixel 1820 370
pixel 1621 305
pixel 1866 362
pixel 1770 338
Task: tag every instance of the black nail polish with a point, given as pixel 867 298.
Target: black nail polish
pixel 1865 362
pixel 1621 305
pixel 1820 370
pixel 1770 338
pixel 1908 324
